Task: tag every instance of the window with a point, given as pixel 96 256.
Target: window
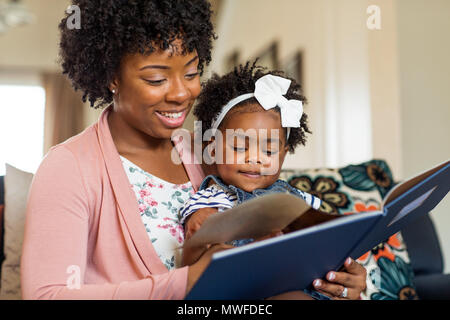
pixel 22 110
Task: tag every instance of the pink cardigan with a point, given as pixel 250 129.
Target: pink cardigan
pixel 82 212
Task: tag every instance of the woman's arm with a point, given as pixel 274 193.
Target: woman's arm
pixel 55 248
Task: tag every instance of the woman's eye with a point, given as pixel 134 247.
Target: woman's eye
pixel 192 75
pixel 155 82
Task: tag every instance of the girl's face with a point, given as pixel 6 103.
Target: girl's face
pixel 253 155
pixel 155 92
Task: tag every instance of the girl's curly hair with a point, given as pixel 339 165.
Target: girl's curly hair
pixel 218 91
pixel 91 56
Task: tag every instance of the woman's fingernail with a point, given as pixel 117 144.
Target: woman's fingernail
pixel 317 283
pixel 331 276
pixel 348 261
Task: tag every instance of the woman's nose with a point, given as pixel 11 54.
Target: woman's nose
pixel 178 92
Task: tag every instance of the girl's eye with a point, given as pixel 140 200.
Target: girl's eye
pixel 238 149
pixel 270 153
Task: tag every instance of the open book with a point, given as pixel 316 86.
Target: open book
pixel 319 242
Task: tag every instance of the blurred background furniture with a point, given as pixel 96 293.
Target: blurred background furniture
pixel 408 265
pixel 14 190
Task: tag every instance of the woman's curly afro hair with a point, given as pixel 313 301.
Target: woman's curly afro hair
pixel 91 56
pixel 218 91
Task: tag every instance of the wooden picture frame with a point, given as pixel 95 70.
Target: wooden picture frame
pixel 232 61
pixel 293 67
pixel 269 57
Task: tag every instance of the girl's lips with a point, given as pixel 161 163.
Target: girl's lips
pixel 172 122
pixel 253 175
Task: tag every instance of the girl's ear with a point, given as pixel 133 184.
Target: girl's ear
pixel 210 146
pixel 283 154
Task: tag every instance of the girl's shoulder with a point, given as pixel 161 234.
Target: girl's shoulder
pixel 212 193
pixel 213 196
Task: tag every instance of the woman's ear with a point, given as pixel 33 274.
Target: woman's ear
pixel 114 86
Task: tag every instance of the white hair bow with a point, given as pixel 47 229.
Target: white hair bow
pixel 270 91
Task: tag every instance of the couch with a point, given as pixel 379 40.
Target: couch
pixel 409 265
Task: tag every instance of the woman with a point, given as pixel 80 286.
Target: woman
pixel 102 213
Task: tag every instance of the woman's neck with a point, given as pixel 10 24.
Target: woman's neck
pixel 129 140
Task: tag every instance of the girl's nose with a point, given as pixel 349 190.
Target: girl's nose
pixel 257 158
pixel 252 156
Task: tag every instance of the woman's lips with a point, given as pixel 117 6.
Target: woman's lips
pixel 172 119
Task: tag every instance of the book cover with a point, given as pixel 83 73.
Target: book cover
pixel 320 243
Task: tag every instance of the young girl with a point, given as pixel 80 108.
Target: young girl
pixel 252 137
pixel 256 118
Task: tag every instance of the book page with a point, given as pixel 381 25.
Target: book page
pixel 402 187
pixel 255 219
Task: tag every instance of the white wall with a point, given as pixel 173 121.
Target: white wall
pixel 424 60
pixel 28 50
pixel 384 93
pixel 335 43
pixel 35 46
pixel 385 88
pixel 347 109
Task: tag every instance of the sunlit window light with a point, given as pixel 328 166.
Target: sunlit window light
pixel 21 126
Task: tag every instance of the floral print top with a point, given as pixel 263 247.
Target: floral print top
pixel 159 202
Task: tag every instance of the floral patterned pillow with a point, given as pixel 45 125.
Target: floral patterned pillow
pixel 361 188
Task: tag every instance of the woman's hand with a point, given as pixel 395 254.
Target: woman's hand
pixel 197 268
pixel 343 285
pixel 195 220
pixel 292 295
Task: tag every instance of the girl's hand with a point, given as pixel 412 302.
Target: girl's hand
pixel 195 221
pixel 343 285
pixel 273 234
pixel 192 224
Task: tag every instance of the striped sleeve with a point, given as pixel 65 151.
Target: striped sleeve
pixel 211 197
pixel 313 201
pixel 310 199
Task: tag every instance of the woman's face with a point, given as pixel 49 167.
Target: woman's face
pixel 155 92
